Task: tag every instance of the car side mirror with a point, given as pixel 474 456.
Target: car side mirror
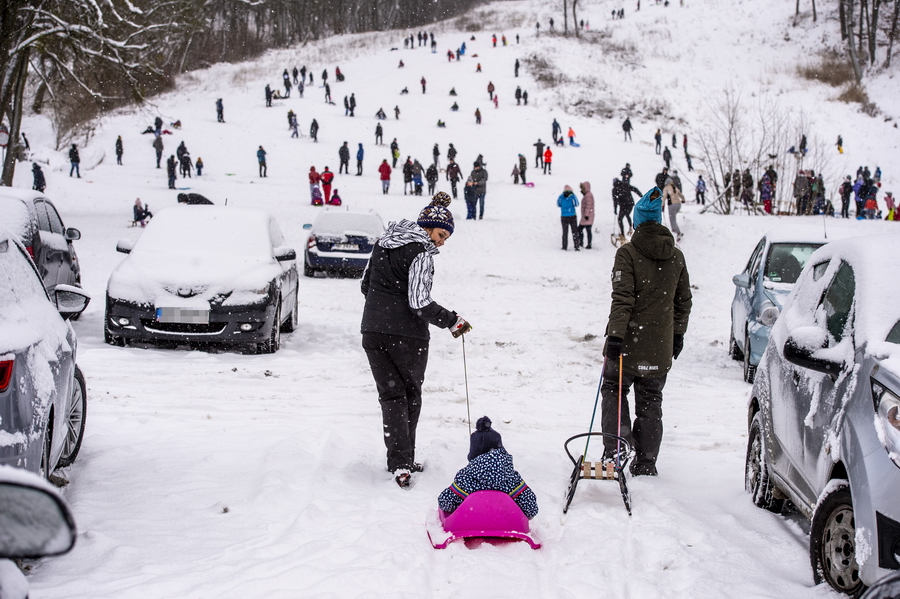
pixel 35 520
pixel 307 226
pixel 70 300
pixel 283 254
pixel 741 280
pixel 800 349
pixel 73 234
pixel 124 246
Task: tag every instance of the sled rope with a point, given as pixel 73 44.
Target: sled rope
pixel 466 377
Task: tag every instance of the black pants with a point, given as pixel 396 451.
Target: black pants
pixel 398 366
pixel 539 161
pixel 262 168
pixel 623 213
pixel 646 434
pixel 359 167
pixel 522 174
pixel 453 187
pixel 569 222
pixel 845 207
pixel 582 229
pixel 344 167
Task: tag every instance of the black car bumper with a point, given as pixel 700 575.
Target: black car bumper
pixel 236 325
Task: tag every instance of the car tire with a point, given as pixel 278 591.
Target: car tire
pixel 749 369
pixel 290 325
pixel 756 470
pixel 45 469
pixel 308 271
pixel 832 542
pixel 733 350
pixel 271 345
pixel 75 421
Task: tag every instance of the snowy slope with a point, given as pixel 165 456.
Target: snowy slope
pixel 224 475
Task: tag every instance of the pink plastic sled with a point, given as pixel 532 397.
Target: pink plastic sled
pixel 483 514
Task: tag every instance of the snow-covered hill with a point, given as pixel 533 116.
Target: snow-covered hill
pixel 224 475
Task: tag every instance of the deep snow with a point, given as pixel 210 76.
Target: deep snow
pixel 226 475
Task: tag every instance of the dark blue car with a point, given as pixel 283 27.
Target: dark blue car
pixel 341 242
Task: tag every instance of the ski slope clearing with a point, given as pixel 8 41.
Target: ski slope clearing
pixel 220 475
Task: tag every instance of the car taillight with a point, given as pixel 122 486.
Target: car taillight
pixel 30 251
pixel 6 368
pixel 311 242
pixel 887 419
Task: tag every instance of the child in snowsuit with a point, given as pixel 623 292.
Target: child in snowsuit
pixel 490 468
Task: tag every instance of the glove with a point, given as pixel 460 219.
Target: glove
pixel 460 328
pixel 613 348
pixel 677 346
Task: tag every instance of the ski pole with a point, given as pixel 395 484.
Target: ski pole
pixel 466 377
pixel 594 413
pixel 619 433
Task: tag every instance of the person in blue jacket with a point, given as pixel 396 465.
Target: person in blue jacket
pixel 490 468
pixel 359 160
pixel 567 203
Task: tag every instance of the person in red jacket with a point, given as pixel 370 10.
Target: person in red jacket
pixel 385 170
pixel 314 179
pixel 548 159
pixel 326 177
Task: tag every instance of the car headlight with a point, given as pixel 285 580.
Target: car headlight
pixel 768 313
pixel 887 419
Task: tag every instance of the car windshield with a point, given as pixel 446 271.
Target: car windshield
pixel 338 224
pixel 786 260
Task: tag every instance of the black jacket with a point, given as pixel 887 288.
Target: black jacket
pixel 344 153
pixel 397 285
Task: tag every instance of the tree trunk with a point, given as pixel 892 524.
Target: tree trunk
pixel 890 47
pixel 850 46
pixel 575 18
pixel 797 9
pixel 814 10
pixel 566 16
pixel 873 30
pixel 843 18
pixel 15 120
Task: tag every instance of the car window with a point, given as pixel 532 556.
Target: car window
pixel 819 270
pixel 56 224
pixel 41 211
pixel 894 335
pixel 838 300
pixel 18 281
pixel 785 261
pixel 753 263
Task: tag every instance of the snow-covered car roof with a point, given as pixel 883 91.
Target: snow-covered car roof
pixel 804 234
pixel 16 214
pixel 342 222
pixel 876 307
pixel 221 230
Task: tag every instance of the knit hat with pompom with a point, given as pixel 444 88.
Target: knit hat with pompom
pixel 483 439
pixel 435 214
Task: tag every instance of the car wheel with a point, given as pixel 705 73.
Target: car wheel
pixel 749 369
pixel 75 420
pixel 308 271
pixel 271 345
pixel 733 350
pixel 46 469
pixel 756 471
pixel 290 325
pixel 832 542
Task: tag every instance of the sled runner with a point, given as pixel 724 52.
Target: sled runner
pixel 599 470
pixel 483 514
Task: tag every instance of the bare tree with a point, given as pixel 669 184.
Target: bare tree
pixel 893 34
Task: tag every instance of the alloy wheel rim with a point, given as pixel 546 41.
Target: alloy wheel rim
pixel 74 421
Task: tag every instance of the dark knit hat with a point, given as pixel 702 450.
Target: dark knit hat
pixel 436 214
pixel 483 439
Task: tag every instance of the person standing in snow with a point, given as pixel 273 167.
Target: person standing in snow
pixel 385 175
pixel 436 155
pixel 845 190
pixel 379 135
pixel 158 146
pixel 490 468
pixel 651 304
pixel 525 97
pixel 397 113
pixel 314 179
pixel 431 175
pixel 398 309
pixel 220 111
pixel 119 150
pixel 623 202
pixel 328 99
pixel 586 224
pixel 359 160
pixel 261 157
pixel 701 190
pixel 423 84
pixel 539 157
pixel 40 183
pixel 326 177
pixel 395 153
pixel 477 116
pixel 516 68
pixel 352 104
pixel 673 198
pixel 667 156
pixel 314 130
pixel 268 95
pixel 453 175
pixel 518 95
pixel 557 131
pixel 171 170
pixel 479 177
pixel 567 202
pixel 626 127
pixel 344 155
pixel 490 89
pixel 658 137
pixel 548 161
pixel 523 166
pixel 75 161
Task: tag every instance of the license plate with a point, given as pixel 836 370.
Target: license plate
pixel 345 247
pixel 182 315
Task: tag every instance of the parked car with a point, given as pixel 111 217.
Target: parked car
pixel 762 287
pixel 824 414
pixel 341 242
pixel 43 398
pixel 36 522
pixel 33 219
pixel 204 274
